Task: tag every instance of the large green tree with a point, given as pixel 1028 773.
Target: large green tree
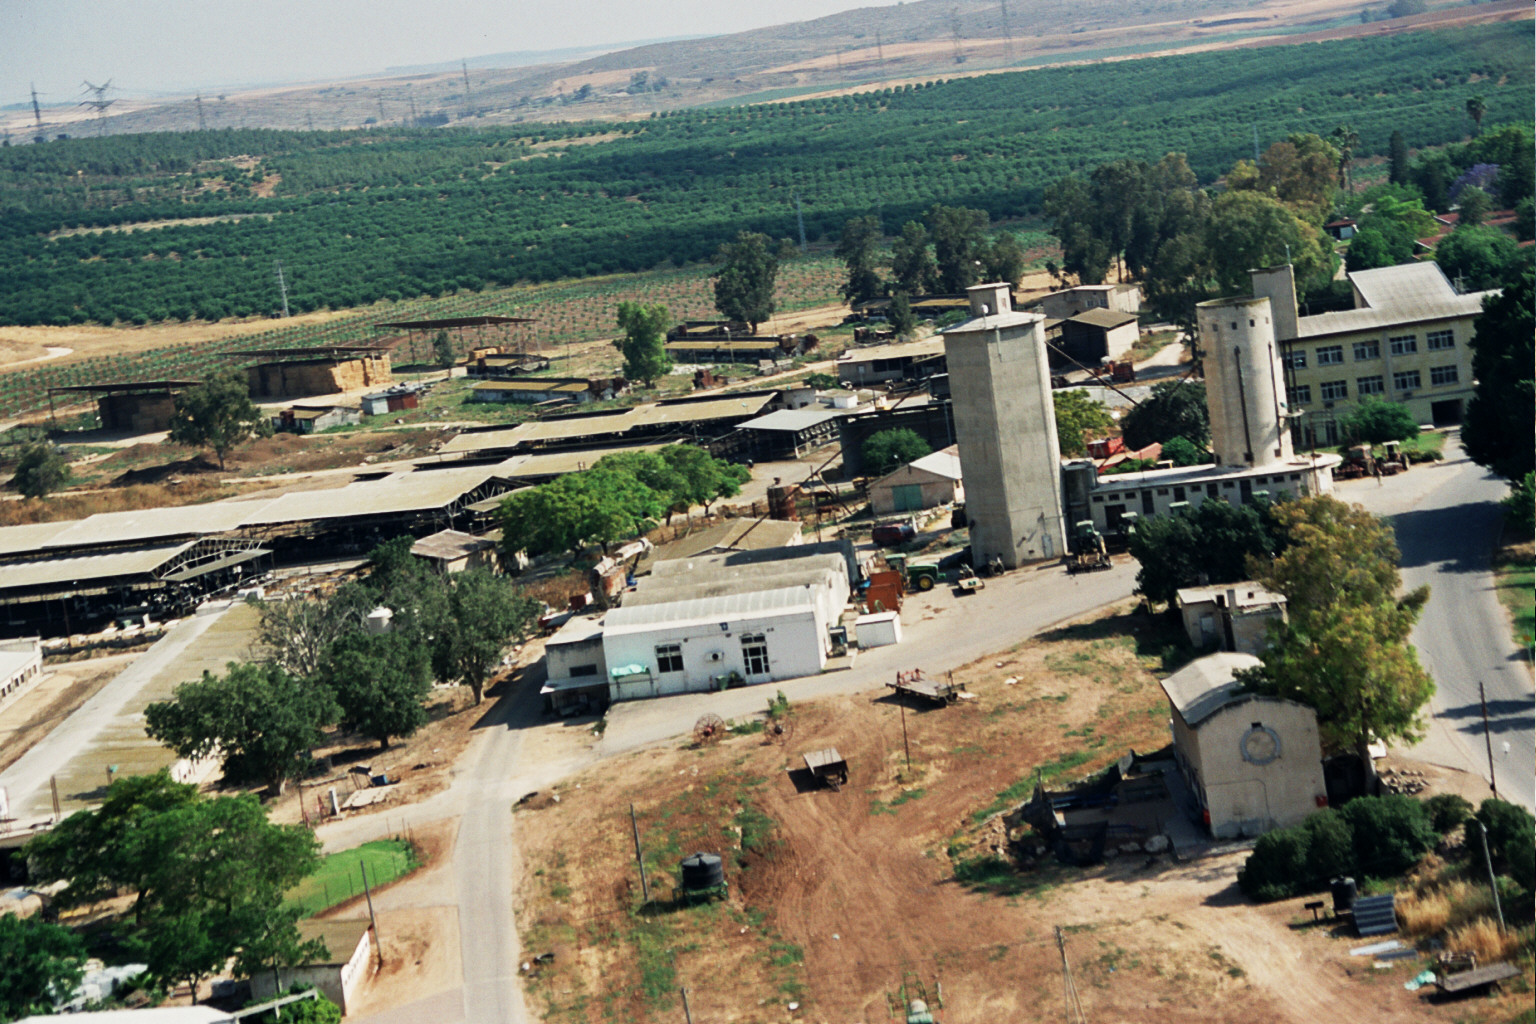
pixel 597 506
pixel 885 450
pixel 1377 422
pixel 207 876
pixel 744 281
pixel 912 267
pixel 381 683
pixel 644 342
pixel 38 963
pixel 1004 259
pixel 1497 431
pixel 1249 229
pixel 1207 544
pixel 486 614
pixel 41 470
pixel 260 719
pixel 1077 416
pixel 959 243
pixel 1344 648
pixel 1477 258
pixel 217 414
pixel 298 634
pixel 1175 408
pixel 858 248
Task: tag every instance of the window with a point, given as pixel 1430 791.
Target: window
pixel 754 651
pixel 1178 494
pixel 1333 390
pixel 1368 350
pixel 1210 490
pixel 669 658
pixel 1439 341
pixel 1407 380
pixel 1443 375
pixel 1369 385
pixel 1301 394
pixel 1330 355
pixel 1147 508
pixel 583 670
pixel 1295 360
pixel 1404 346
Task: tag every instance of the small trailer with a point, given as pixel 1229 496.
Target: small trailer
pixel 1476 980
pixel 915 684
pixel 827 766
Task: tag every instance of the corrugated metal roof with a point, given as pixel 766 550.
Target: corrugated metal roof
pixel 1350 320
pixel 31 536
pixel 609 423
pixel 155 523
pixel 1206 685
pixel 530 385
pixel 945 462
pixel 863 354
pixel 740 579
pixel 726 609
pixel 401 492
pixel 542 464
pixel 45 571
pixel 446 545
pixel 1403 285
pixel 792 419
pixel 1108 319
pixel 746 534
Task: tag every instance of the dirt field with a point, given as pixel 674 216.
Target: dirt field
pixel 836 897
pixel 62 689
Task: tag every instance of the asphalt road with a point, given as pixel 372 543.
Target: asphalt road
pixel 1447 522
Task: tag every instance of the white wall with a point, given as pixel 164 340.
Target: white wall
pixel 1247 799
pixel 796 638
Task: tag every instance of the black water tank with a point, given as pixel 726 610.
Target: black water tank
pixel 1344 893
pixel 702 871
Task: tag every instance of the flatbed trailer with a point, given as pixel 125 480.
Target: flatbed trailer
pixel 828 766
pixel 1466 982
pixel 916 684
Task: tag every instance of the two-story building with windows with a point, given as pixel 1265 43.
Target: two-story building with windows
pixel 1407 340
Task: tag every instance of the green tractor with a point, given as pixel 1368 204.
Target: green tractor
pixel 922 576
pixel 1089 553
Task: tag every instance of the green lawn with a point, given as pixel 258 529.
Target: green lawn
pixel 1517 589
pixel 1425 442
pixel 340 876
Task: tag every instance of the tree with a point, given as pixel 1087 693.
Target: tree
pixel 485 614
pixel 217 414
pixel 41 470
pixel 1477 258
pixel 1520 507
pixel 644 342
pixel 1344 649
pixel 1174 409
pixel 885 450
pixel 260 719
pixel 1397 146
pixel 1207 544
pixel 1377 422
pixel 1181 451
pixel 208 876
pixel 1248 229
pixel 900 316
pixel 1345 139
pixel 1300 173
pixel 1472 206
pixel 1374 247
pixel 959 238
pixel 1069 205
pixel 857 248
pixel 1386 235
pixel 442 349
pixel 912 264
pixel 1004 260
pixel 381 683
pixel 1077 416
pixel 749 266
pixel 38 963
pixel 1497 428
pixel 1476 108
pixel 297 635
pixel 703 478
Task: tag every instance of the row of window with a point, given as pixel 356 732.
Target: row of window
pixel 754 654
pixel 1402 345
pixel 1182 493
pixel 1406 380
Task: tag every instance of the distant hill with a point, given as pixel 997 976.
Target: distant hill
pixel 861 48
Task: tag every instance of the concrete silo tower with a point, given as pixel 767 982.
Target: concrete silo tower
pixel 1244 383
pixel 1005 425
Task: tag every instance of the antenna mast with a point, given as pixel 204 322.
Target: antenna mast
pixel 37 114
pixel 464 66
pixel 1007 29
pixel 202 125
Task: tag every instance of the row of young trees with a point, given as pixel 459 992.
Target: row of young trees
pixel 946 252
pixel 358 217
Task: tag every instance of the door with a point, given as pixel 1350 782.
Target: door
pixel 907 497
pixel 754 656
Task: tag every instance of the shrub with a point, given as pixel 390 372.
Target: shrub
pixel 1390 833
pixel 1446 812
pixel 1298 859
pixel 1510 828
pixel 1520 507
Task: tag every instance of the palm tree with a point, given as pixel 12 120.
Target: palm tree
pixel 1345 139
pixel 1476 108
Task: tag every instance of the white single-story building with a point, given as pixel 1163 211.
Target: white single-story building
pixel 575 668
pixel 1230 616
pixel 1251 763
pixel 454 551
pixel 927 482
pixel 347 964
pixel 21 665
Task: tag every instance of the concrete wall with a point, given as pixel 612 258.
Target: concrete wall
pixel 339 984
pixel 573 660
pixel 796 639
pixel 25 668
pixel 1207 625
pixel 1005 426
pixel 1246 798
pixel 1244 384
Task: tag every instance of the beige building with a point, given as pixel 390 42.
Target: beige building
pixel 1122 298
pixel 338 975
pixel 927 482
pixel 1407 340
pixel 1230 617
pixel 1250 763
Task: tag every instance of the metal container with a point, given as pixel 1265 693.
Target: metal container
pixel 702 871
pixel 1344 892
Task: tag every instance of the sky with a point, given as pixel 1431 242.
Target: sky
pixel 149 46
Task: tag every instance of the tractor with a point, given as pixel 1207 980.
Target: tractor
pixel 1089 553
pixel 917 575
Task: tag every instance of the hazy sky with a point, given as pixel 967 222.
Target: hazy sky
pixel 150 45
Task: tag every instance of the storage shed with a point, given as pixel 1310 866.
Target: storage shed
pixel 1230 617
pixel 927 482
pixel 1251 763
pixel 454 551
pixel 291 373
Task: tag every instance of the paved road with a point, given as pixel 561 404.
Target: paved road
pixel 1447 522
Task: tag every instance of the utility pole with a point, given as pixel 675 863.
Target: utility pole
pixel 99 104
pixel 1493 882
pixel 645 886
pixel 1075 1013
pixel 282 286
pixel 1007 29
pixel 202 125
pixel 372 920
pixel 687 1013
pixel 37 115
pixel 1482 698
pixel 464 66
pixel 907 747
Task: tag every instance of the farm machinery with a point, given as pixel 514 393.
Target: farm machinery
pixel 1089 553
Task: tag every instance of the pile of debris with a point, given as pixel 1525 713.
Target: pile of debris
pixel 1403 780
